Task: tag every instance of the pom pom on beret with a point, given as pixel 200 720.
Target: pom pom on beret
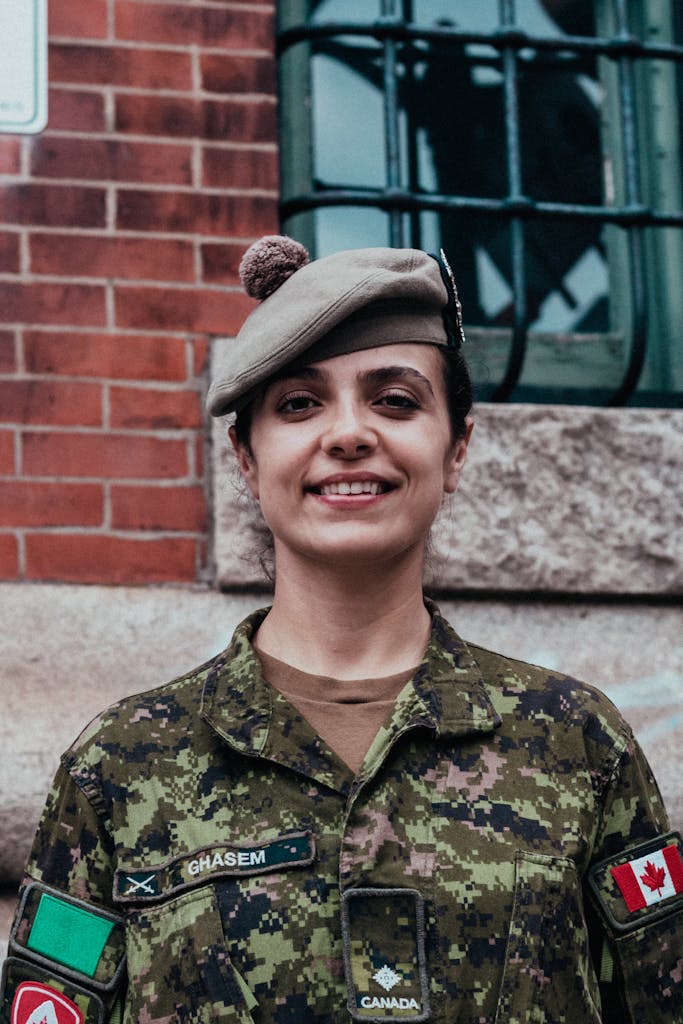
pixel 269 262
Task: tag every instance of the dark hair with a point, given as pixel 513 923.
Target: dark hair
pixel 459 390
pixel 457 384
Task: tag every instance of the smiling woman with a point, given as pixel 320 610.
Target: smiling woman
pixel 338 462
pixel 351 813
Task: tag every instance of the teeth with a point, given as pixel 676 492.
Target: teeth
pixel 357 487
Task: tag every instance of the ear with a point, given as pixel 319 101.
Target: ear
pixel 456 458
pixel 246 463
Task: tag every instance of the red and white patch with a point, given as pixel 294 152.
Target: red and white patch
pixel 34 1003
pixel 650 879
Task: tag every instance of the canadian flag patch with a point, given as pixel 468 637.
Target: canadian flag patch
pixel 651 879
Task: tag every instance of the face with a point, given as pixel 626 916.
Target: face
pixel 350 457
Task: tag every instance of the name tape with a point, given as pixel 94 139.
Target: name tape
pixel 151 883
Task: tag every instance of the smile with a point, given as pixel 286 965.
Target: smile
pixel 356 487
pixel 353 487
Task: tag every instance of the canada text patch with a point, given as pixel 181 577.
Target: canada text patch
pixel 149 884
pixel 384 955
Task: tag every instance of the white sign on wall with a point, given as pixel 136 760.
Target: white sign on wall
pixel 23 65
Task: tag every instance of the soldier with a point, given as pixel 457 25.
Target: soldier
pixel 351 813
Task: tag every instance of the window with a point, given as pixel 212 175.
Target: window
pixel 538 141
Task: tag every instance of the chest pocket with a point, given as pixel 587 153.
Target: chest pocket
pixel 548 975
pixel 178 968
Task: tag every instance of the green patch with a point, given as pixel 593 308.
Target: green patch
pixel 69 934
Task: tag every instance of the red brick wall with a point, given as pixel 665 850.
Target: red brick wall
pixel 121 226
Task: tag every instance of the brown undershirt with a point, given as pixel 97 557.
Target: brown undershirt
pixel 346 713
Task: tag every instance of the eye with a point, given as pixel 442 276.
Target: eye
pixel 398 400
pixel 296 401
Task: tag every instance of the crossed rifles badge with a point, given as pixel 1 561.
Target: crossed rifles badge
pixel 141 886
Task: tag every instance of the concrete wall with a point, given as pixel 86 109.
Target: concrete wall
pixel 68 651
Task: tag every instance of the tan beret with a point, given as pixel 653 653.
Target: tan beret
pixel 345 302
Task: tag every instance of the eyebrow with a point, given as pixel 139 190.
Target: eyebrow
pixel 386 374
pixel 380 375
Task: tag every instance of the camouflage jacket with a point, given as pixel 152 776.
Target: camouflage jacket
pixel 204 857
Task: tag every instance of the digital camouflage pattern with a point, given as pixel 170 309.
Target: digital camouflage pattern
pixel 210 817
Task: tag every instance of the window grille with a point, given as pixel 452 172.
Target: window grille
pixel 520 204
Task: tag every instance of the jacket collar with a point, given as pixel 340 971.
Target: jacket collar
pixel 447 694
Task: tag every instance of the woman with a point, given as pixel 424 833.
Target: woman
pixel 351 813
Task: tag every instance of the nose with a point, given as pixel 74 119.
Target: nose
pixel 348 436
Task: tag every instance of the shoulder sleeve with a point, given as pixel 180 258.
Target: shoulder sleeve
pixel 66 947
pixel 632 809
pixel 642 926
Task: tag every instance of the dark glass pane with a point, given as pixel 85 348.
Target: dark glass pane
pixel 559 112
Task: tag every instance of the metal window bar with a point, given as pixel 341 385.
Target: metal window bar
pixel 394 28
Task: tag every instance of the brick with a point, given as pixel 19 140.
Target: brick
pixel 46 303
pixel 93 256
pixel 200 446
pixel 158 115
pixel 9 557
pixel 158 508
pixel 239 120
pixel 50 504
pixel 220 262
pixel 57 403
pixel 119 357
pixel 6 452
pixel 195 24
pixel 9 253
pixel 10 155
pixel 205 570
pixel 196 213
pixel 76 111
pixel 52 205
pixel 82 21
pixel 120 66
pixel 97 558
pixel 151 409
pixel 225 120
pixel 201 355
pixel 230 73
pixel 8 359
pixel 103 456
pixel 188 309
pixel 111 160
pixel 240 168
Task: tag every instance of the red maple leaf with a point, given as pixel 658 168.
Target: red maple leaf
pixel 653 877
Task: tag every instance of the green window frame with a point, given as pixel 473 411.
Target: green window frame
pixel 635 355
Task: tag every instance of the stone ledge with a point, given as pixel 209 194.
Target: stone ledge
pixel 554 499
